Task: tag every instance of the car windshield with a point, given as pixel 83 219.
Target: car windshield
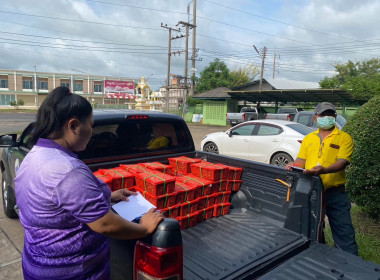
pixel 300 128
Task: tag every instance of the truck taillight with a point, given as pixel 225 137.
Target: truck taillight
pixel 155 263
pixel 266 116
pixel 243 116
pixel 288 117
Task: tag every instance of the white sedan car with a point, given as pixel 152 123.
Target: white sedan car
pixel 271 141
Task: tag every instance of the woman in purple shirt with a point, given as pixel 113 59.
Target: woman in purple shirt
pixel 64 208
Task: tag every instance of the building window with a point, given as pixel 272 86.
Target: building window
pixel 78 87
pixel 3 83
pixel 43 85
pixel 27 84
pixel 65 85
pixel 5 99
pixel 97 88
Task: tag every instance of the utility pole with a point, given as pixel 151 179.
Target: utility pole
pixel 262 65
pixel 194 47
pixel 274 64
pixel 169 55
pixel 188 25
pixel 35 85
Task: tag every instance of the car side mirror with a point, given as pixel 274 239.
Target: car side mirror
pixel 229 133
pixel 7 140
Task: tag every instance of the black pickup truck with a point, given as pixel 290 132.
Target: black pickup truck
pixel 266 235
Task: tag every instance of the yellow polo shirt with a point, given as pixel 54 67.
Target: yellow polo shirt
pixel 338 145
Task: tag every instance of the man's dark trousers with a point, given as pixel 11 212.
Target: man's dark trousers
pixel 338 208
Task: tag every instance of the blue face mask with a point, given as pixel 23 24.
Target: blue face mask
pixel 326 122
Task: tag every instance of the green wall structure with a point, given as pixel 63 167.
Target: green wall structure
pixel 214 112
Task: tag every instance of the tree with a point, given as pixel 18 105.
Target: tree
pixel 363 174
pixel 215 75
pixel 244 75
pixel 361 78
pixel 15 104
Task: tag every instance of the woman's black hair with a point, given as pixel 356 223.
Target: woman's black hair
pixel 59 106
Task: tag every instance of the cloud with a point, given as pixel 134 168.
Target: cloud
pixel 120 39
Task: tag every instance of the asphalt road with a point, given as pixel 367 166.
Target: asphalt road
pixel 11 231
pixel 14 122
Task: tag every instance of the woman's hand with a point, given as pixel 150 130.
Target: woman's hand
pixel 121 195
pixel 151 220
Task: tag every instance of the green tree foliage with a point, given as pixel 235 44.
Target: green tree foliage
pixel 244 75
pixel 361 78
pixel 19 102
pixel 215 75
pixel 363 173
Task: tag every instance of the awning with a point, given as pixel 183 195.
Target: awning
pixel 294 95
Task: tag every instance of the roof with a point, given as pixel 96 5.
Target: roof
pixel 217 93
pixel 294 95
pixel 280 83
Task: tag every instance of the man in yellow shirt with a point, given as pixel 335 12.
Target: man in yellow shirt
pixel 327 152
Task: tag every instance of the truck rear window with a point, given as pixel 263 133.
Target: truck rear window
pixel 135 136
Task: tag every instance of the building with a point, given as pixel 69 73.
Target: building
pixel 177 91
pixel 33 87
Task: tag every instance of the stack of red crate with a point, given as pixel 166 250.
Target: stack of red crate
pixel 189 190
pixel 213 184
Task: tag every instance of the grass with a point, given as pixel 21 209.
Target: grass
pixel 13 110
pixel 367 233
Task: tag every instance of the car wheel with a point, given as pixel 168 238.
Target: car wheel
pixel 211 148
pixel 8 202
pixel 281 159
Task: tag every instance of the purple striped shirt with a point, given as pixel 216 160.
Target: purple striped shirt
pixel 58 195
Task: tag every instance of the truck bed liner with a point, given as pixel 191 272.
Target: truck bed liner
pixel 229 246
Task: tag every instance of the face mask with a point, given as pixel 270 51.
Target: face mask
pixel 326 122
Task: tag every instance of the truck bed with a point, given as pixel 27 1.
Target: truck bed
pixel 229 246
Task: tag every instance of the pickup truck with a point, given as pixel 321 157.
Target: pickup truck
pixel 271 232
pixel 307 118
pixel 284 113
pixel 246 114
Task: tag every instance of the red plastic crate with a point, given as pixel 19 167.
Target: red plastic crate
pixel 184 192
pixel 133 168
pixel 155 183
pixel 161 202
pixel 189 207
pixel 183 163
pixel 210 171
pixel 104 178
pixel 177 173
pixel 221 209
pixel 171 212
pixel 189 220
pixel 221 186
pixel 222 197
pixel 205 213
pixel 202 186
pixel 158 166
pixel 132 189
pixel 120 179
pixel 234 173
pixel 207 201
pixel 234 185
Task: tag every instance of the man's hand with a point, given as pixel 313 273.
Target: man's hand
pixel 316 170
pixel 121 195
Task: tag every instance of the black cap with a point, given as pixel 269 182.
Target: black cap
pixel 324 106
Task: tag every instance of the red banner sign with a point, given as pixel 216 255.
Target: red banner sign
pixel 119 86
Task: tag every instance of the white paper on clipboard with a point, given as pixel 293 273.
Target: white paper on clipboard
pixel 135 207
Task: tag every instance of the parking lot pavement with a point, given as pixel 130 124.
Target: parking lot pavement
pixel 12 233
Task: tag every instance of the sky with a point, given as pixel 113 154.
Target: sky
pixel 304 38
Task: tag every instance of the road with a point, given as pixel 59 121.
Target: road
pixel 11 231
pixel 14 122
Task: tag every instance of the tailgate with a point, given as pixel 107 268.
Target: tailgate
pixel 323 262
pixel 242 244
